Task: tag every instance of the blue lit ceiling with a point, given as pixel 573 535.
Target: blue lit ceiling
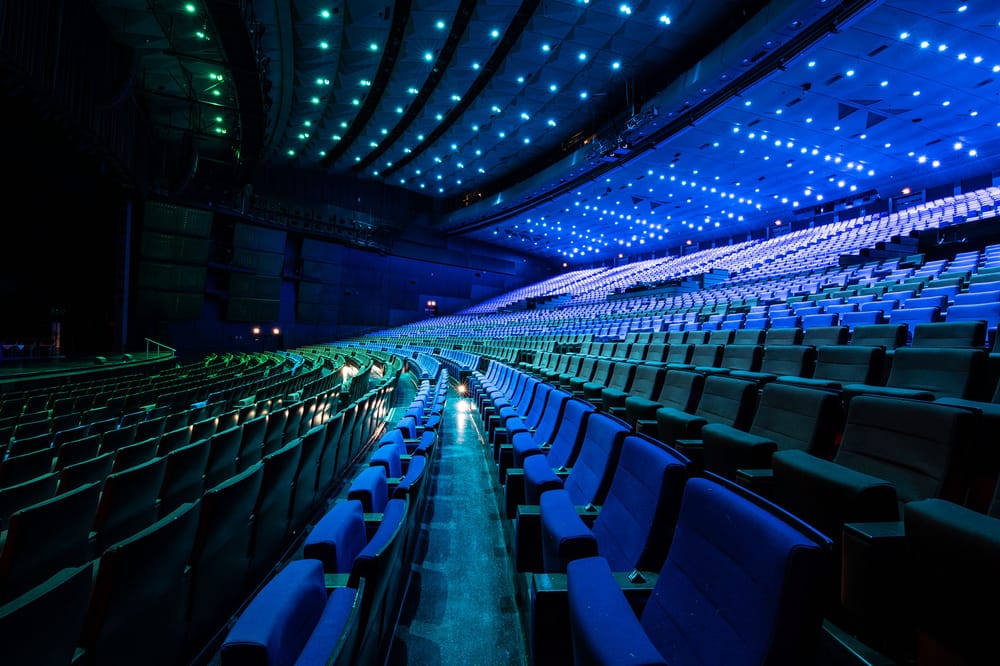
pixel 577 131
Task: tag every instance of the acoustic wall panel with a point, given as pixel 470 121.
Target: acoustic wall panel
pixel 317 270
pixel 254 286
pixel 316 313
pixel 263 263
pixel 321 251
pixel 171 248
pixel 252 237
pixel 257 310
pixel 177 220
pixel 172 277
pixel 169 305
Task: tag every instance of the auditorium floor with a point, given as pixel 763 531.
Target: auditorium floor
pixel 460 606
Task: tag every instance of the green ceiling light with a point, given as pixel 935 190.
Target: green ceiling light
pixel 324 13
pixel 190 8
pixel 217 92
pixel 291 153
pixel 373 46
pixel 315 100
pixel 324 44
pixel 218 119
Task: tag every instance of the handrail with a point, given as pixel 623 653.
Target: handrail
pixel 159 346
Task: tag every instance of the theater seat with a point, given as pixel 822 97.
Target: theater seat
pixel 632 527
pixel 929 373
pixel 893 451
pixel 954 608
pixel 42 626
pixel 137 612
pixel 295 619
pixel 787 417
pixel 340 542
pixel 735 591
pixel 723 399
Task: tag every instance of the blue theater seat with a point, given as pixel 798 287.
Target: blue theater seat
pixel 294 619
pixel 585 476
pixel 735 591
pixel 632 527
pixel 586 481
pixel 340 542
pixel 723 399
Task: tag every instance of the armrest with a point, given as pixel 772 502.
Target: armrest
pixel 528 538
pixel 760 481
pixel 646 427
pixel 588 514
pixel 549 610
pixel 694 449
pixel 513 491
pixel 872 580
pixel 604 626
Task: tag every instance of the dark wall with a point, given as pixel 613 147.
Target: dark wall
pixel 204 281
pixel 60 245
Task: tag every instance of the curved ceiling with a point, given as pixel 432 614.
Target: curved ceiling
pixel 577 130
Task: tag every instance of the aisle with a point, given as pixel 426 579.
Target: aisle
pixel 460 606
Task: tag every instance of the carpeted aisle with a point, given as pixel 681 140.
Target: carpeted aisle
pixel 460 606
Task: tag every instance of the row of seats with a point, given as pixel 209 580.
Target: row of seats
pixel 164 584
pixel 588 494
pixel 337 603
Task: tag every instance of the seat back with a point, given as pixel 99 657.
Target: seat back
pixel 637 518
pixel 890 336
pixel 961 546
pixel 42 626
pixel 770 614
pixel 184 476
pixel 846 364
pixel 129 502
pixel 742 357
pixel 681 389
pixel 769 563
pixel 970 333
pixel 273 508
pixel 286 618
pixel 220 556
pixel 922 448
pixel 594 465
pixel 941 371
pixel 565 443
pixel 817 336
pixel 138 610
pixel 45 537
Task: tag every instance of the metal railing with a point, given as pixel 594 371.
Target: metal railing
pixel 159 347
